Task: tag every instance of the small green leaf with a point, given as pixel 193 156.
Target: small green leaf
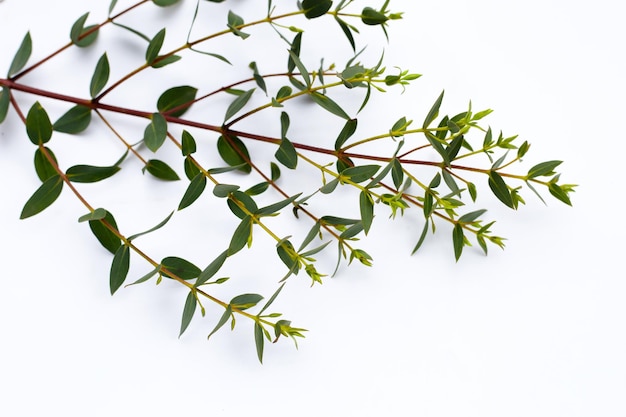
pixel 421 238
pixel 241 236
pixel 97 214
pixel 43 166
pixel 471 217
pixel 294 50
pixel 154 47
pixel 78 31
pixel 434 112
pixel 330 186
pixel 165 3
pixel 260 82
pixel 346 132
pixel 194 191
pixel 89 173
pixel 238 104
pixel 156 132
pixel 543 169
pixel 373 17
pixel 328 104
pixel 558 192
pixel 286 154
pixel 367 210
pixel 119 268
pixel 163 60
pixel 235 20
pixel 500 189
pixel 458 240
pixel 259 188
pixel 112 6
pixel 397 173
pixel 234 153
pixel 189 144
pixel 303 71
pixel 5 100
pixel 106 237
pixel 245 301
pixel 283 92
pixel 360 173
pixel 43 197
pixel 75 120
pixel 155 228
pixel 259 340
pixel 227 313
pixel 316 8
pixel 212 269
pixel 275 171
pixel 346 31
pixel 38 125
pixel 224 190
pixel 21 57
pixel 147 276
pixel 161 170
pixel 179 267
pixel 191 169
pixel 272 298
pixel 188 311
pixel 276 207
pixel 177 100
pixel 100 76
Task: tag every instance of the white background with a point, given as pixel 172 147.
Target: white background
pixel 536 329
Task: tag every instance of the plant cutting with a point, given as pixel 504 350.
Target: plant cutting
pixel 436 164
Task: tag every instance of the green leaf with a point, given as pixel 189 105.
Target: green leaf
pixel 276 207
pixel 112 6
pixel 235 20
pixel 43 166
pixel 346 132
pixel 543 169
pixel 360 173
pixel 78 31
pixel 245 301
pixel 191 169
pixel 163 60
pixel 559 193
pixel 89 173
pixel 179 267
pixel 294 50
pixel 328 104
pixel 21 57
pixel 188 311
pixel 272 298
pixel 224 190
pixel 231 151
pixel 397 173
pixel 301 68
pixel 259 188
pixel 238 104
pixel 434 111
pixel 161 170
pixel 38 125
pixel 241 236
pixel 176 100
pixel 97 214
pixel 259 340
pixel 75 120
pixel 119 268
pixel 373 17
pixel 43 197
pixel 212 268
pixel 100 76
pixel 189 144
pixel 194 191
pixel 458 241
pixel 5 100
pixel 286 154
pixel 165 3
pixel 260 82
pixel 471 217
pixel 500 189
pixel 147 276
pixel 346 31
pixel 156 132
pixel 154 47
pixel 422 238
pixel 153 229
pixel 316 8
pixel 330 186
pixel 227 313
pixel 275 171
pixel 366 205
pixel 106 237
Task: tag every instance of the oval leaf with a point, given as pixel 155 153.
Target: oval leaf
pixel 155 133
pixel 179 267
pixel 238 104
pixel 119 268
pixel 194 191
pixel 90 173
pixel 43 166
pixel 177 100
pixel 188 311
pixel 500 189
pixel 5 100
pixel 83 36
pixel 45 195
pixel 100 76
pixel 286 154
pixel 21 57
pixel 75 120
pixel 245 301
pixel 316 8
pixel 161 170
pixel 38 125
pixel 105 236
pixel 231 151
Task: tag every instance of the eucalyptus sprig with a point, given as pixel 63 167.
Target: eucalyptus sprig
pixel 435 165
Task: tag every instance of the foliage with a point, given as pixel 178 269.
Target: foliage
pixel 441 188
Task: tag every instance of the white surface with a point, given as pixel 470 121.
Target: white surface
pixel 537 329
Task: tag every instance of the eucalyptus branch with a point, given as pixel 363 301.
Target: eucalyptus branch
pixel 254 187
